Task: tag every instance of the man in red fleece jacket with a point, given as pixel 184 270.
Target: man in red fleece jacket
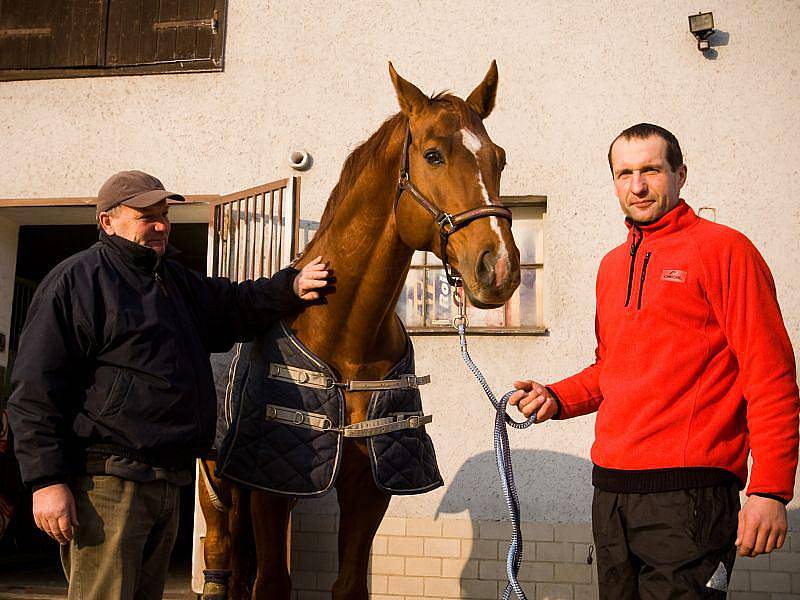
pixel 693 372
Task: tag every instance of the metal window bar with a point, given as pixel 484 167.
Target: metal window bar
pixel 255 231
pixel 276 220
pixel 278 238
pixel 268 226
pixel 233 250
pixel 432 267
pixel 258 240
pixel 247 218
pixel 291 225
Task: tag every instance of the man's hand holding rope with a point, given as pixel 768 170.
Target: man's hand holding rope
pixel 532 397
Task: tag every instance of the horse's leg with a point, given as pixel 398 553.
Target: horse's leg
pixel 270 517
pixel 242 546
pixel 215 504
pixel 361 509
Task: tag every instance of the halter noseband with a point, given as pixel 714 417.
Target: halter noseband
pixel 448 224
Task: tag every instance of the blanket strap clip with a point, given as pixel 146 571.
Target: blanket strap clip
pixel 319 422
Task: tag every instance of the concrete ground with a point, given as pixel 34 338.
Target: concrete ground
pixel 44 580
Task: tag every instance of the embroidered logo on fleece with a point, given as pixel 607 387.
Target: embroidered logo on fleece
pixel 675 275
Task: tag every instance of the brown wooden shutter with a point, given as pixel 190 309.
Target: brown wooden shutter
pixel 164 31
pixel 41 34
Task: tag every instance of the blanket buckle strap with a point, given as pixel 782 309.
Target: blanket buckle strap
pixel 319 422
pixel 323 381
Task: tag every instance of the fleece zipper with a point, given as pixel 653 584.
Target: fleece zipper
pixel 634 247
pixel 641 280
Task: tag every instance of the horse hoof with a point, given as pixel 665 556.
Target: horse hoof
pixel 214 591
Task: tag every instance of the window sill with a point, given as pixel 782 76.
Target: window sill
pixel 527 331
pixel 164 68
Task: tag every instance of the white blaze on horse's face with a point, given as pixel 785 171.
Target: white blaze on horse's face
pixel 473 143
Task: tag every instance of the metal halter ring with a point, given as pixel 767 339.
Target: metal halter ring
pixel 461 304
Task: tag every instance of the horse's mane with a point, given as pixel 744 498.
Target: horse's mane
pixel 370 151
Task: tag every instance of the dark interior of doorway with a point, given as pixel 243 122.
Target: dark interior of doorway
pixel 40 248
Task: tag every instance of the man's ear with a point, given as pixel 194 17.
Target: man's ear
pixel 104 219
pixel 682 174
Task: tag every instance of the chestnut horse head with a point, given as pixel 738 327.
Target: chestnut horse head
pixel 448 199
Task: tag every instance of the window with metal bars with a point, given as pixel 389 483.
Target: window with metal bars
pixel 426 303
pixel 45 39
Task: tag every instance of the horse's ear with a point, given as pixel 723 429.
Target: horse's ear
pixel 482 97
pixel 408 95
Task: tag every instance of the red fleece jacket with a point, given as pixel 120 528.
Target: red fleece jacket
pixel 693 364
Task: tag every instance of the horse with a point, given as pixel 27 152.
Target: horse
pixel 428 179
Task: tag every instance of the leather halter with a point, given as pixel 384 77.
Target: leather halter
pixel 448 224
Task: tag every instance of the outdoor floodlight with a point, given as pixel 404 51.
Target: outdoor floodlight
pixel 701 26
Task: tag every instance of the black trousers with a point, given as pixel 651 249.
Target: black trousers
pixel 666 545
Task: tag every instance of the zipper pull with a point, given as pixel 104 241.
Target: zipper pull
pixel 634 242
pixel 160 283
pixel 589 557
pixel 644 266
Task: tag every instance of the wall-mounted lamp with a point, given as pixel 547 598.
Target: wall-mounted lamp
pixel 701 26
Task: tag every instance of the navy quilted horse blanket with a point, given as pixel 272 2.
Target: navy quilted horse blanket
pixel 276 457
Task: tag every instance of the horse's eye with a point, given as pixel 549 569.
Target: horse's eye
pixel 434 157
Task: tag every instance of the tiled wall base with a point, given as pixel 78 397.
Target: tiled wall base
pixel 415 559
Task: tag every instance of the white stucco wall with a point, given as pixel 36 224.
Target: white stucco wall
pixel 570 80
pixel 9 232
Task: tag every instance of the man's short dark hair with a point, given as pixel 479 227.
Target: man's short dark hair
pixel 642 131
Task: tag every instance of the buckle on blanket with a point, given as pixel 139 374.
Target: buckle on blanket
pixel 298 418
pixel 322 381
pixel 303 377
pixel 318 422
pixel 389 424
pixel 403 382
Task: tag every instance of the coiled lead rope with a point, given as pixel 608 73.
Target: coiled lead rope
pixel 502 450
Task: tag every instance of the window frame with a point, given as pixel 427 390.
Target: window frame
pixel 511 202
pixel 215 63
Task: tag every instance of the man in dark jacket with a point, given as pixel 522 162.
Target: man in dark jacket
pixel 113 390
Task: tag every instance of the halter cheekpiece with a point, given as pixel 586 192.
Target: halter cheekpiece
pixel 447 223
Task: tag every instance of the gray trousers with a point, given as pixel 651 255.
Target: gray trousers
pixel 124 539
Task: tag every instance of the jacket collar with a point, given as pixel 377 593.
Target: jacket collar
pixel 680 217
pixel 140 257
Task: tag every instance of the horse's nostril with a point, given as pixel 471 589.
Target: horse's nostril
pixel 485 268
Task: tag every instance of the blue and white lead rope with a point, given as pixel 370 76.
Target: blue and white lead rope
pixel 502 452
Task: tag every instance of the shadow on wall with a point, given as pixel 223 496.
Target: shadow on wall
pixel 558 482
pixel 558 488
pixel 717 39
